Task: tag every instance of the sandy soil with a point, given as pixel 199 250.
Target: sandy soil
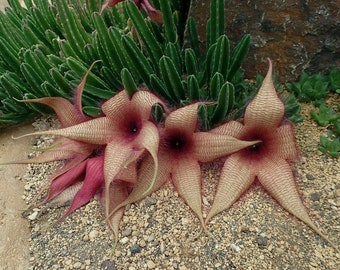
pixel 14 230
pixel 158 232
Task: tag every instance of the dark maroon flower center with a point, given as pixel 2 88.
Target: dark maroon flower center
pixel 177 142
pixel 261 148
pixel 256 147
pixel 131 125
pixel 133 128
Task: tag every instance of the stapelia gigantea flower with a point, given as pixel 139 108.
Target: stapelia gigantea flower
pixel 125 130
pixel 181 149
pixel 153 13
pixel 71 151
pixel 85 181
pixel 266 161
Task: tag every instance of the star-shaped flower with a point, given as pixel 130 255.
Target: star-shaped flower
pixel 125 130
pixel 267 161
pixel 181 149
pixel 70 151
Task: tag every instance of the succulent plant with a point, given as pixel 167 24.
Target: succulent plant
pixel 267 161
pixel 47 46
pixel 133 156
pixel 334 80
pixel 309 88
pixel 159 128
pixel 331 144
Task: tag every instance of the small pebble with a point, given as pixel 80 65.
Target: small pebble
pixel 127 232
pixel 93 234
pixel 310 177
pixel 235 247
pixel 245 230
pixel 142 243
pixel 151 265
pixel 33 216
pixel 185 221
pixel 124 240
pixel 151 238
pixel 86 238
pixel 108 265
pixel 205 201
pixel 261 241
pixel 35 235
pixel 135 249
pixel 315 197
pixel 150 201
pixel 77 265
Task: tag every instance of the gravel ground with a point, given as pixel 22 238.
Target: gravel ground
pixel 158 232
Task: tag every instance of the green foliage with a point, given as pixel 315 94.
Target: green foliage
pixel 45 49
pixel 330 145
pixel 309 88
pixel 334 80
pixel 128 82
pixel 326 116
pixel 47 46
pixel 315 88
pixel 292 108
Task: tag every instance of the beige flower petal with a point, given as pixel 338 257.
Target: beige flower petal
pixel 117 105
pixel 283 188
pixel 186 177
pixel 232 128
pixel 79 93
pixel 143 102
pixel 184 118
pixel 148 138
pixel 285 146
pixel 266 110
pixel 142 188
pixel 116 156
pixel 65 110
pixel 236 177
pixel 209 146
pixel 117 194
pixel 95 131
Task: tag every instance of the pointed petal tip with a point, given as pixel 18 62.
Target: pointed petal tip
pixel 269 74
pixel 266 110
pixel 153 180
pixel 47 132
pixel 250 143
pixel 104 6
pixel 270 69
pixel 22 136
